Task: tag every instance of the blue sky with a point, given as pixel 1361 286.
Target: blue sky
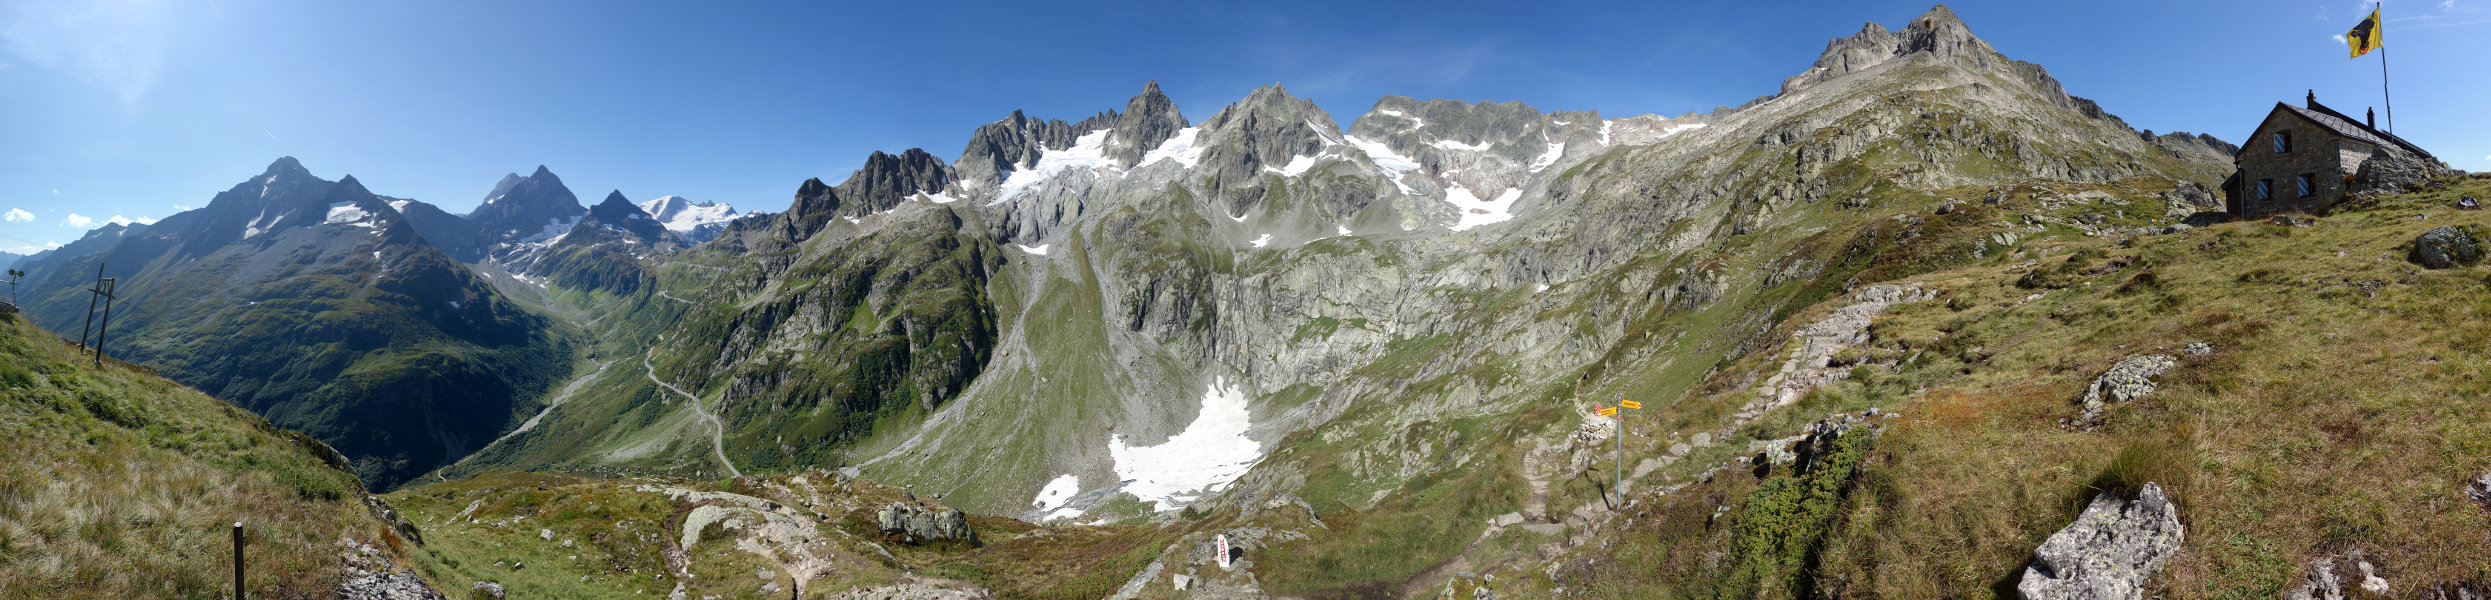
pixel 142 108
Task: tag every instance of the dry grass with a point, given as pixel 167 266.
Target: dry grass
pixel 119 484
pixel 2342 409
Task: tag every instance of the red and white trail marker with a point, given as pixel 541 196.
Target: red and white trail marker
pixel 1223 550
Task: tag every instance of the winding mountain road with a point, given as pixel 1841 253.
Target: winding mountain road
pixel 717 436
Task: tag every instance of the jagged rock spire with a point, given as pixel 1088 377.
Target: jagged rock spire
pixel 1149 119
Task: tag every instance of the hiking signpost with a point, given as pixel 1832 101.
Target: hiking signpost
pixel 1612 412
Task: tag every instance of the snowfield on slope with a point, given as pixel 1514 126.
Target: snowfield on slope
pixel 1477 212
pixel 1210 453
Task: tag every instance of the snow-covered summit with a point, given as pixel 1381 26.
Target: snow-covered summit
pixel 697 221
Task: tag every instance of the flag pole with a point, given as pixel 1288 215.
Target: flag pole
pixel 2383 94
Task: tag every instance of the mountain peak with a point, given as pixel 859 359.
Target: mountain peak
pixel 616 197
pixel 541 171
pixel 286 165
pixel 1938 33
pixel 1149 119
pixel 349 184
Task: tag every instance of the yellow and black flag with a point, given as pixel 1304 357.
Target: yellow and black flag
pixel 2365 35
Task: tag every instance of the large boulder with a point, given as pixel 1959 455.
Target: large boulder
pixel 2111 550
pixel 2444 247
pixel 916 524
pixel 2130 379
pixel 2393 171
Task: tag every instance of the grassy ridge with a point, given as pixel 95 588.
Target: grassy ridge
pixel 117 483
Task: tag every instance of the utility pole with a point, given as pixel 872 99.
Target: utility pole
pixel 90 307
pixel 13 275
pixel 1621 451
pixel 109 286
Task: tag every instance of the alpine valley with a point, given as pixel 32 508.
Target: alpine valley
pixel 1895 329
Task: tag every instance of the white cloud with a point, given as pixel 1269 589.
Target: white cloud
pixel 56 192
pixel 181 207
pixel 77 220
pixel 18 215
pixel 121 220
pixel 2339 38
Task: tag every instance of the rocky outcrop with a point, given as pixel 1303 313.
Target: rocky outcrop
pixel 885 180
pixel 2393 170
pixel 2479 490
pixel 2189 198
pixel 2445 247
pixel 1811 364
pixel 371 576
pixel 2109 553
pixel 1939 36
pixel 1014 143
pixel 1149 119
pixel 913 591
pixel 2328 577
pixel 915 524
pixel 2130 379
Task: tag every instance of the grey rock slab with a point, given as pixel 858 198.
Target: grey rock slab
pixel 2130 379
pixel 2109 553
pixel 2445 247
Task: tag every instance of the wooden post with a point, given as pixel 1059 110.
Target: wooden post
pixel 237 560
pixel 90 306
pixel 110 286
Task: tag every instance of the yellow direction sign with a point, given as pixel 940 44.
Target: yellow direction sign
pixel 1633 404
pixel 1606 412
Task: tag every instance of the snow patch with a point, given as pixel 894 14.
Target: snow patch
pixel 400 205
pixel 941 198
pixel 1088 152
pixel 1344 229
pixel 1543 287
pixel 1057 492
pixel 681 215
pixel 1298 165
pixel 1556 150
pixel 1040 249
pixel 1179 148
pixel 1261 241
pixel 1210 453
pixel 1384 156
pixel 1477 212
pixel 1675 129
pixel 1453 145
pixel 347 212
pixel 1322 134
pixel 455 304
pixel 1239 218
pixel 854 220
pixel 1605 124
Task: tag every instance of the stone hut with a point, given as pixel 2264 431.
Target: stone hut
pixel 2310 157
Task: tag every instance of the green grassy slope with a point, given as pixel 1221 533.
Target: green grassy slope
pixel 2339 410
pixel 116 483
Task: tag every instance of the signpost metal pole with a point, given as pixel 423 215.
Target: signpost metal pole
pixel 237 560
pixel 1621 450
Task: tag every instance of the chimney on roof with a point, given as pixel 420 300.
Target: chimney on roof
pixel 2313 100
pixel 2371 115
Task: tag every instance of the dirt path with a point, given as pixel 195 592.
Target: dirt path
pixel 717 436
